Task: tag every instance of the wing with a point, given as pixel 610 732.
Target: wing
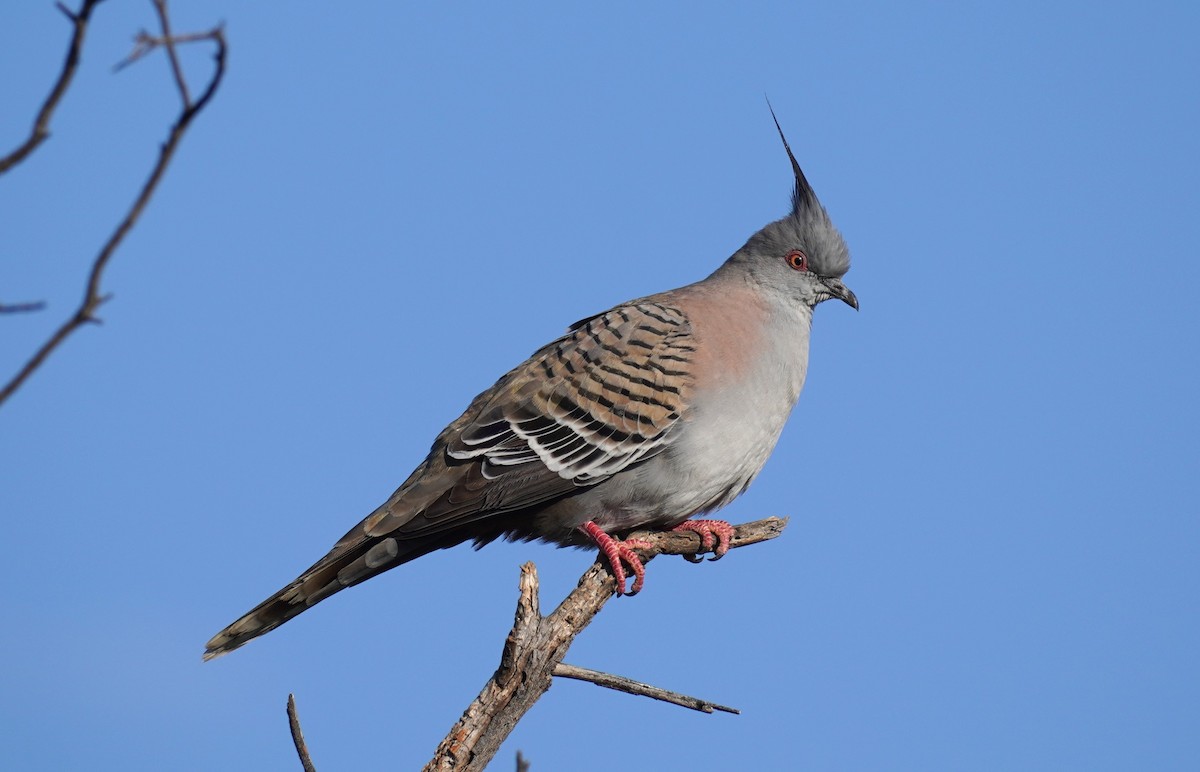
pixel 602 397
pixel 593 402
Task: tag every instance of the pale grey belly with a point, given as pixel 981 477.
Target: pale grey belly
pixel 701 472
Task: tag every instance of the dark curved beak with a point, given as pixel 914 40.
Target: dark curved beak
pixel 840 291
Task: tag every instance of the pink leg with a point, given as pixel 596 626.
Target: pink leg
pixel 711 531
pixel 617 552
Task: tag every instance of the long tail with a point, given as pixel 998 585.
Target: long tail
pixel 356 558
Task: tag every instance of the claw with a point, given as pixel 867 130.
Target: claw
pixel 618 553
pixel 711 532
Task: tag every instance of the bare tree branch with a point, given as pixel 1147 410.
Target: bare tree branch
pixel 41 124
pixel 298 735
pixel 93 298
pixel 630 686
pixel 537 644
pixel 522 763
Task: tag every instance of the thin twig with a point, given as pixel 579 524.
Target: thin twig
pixel 41 124
pixel 160 6
pixel 22 308
pixel 629 686
pixel 522 764
pixel 144 43
pixel 93 298
pixel 298 735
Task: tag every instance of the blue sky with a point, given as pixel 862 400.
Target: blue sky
pixel 992 474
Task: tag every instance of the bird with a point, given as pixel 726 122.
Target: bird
pixel 641 417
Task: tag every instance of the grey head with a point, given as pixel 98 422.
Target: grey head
pixel 801 256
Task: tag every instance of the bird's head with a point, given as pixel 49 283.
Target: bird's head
pixel 801 256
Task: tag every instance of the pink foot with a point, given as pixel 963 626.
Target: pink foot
pixel 618 552
pixel 711 532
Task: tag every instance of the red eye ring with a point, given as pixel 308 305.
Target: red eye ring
pixel 797 260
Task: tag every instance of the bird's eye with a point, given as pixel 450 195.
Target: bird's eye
pixel 797 260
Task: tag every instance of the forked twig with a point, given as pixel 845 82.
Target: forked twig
pixel 93 299
pixel 41 123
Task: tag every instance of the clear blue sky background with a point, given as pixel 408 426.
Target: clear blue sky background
pixel 994 554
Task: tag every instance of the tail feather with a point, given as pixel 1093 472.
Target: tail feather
pixel 449 514
pixel 350 562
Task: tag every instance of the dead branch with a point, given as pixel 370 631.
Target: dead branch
pixel 298 735
pixel 536 645
pixel 93 299
pixel 630 686
pixel 41 123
